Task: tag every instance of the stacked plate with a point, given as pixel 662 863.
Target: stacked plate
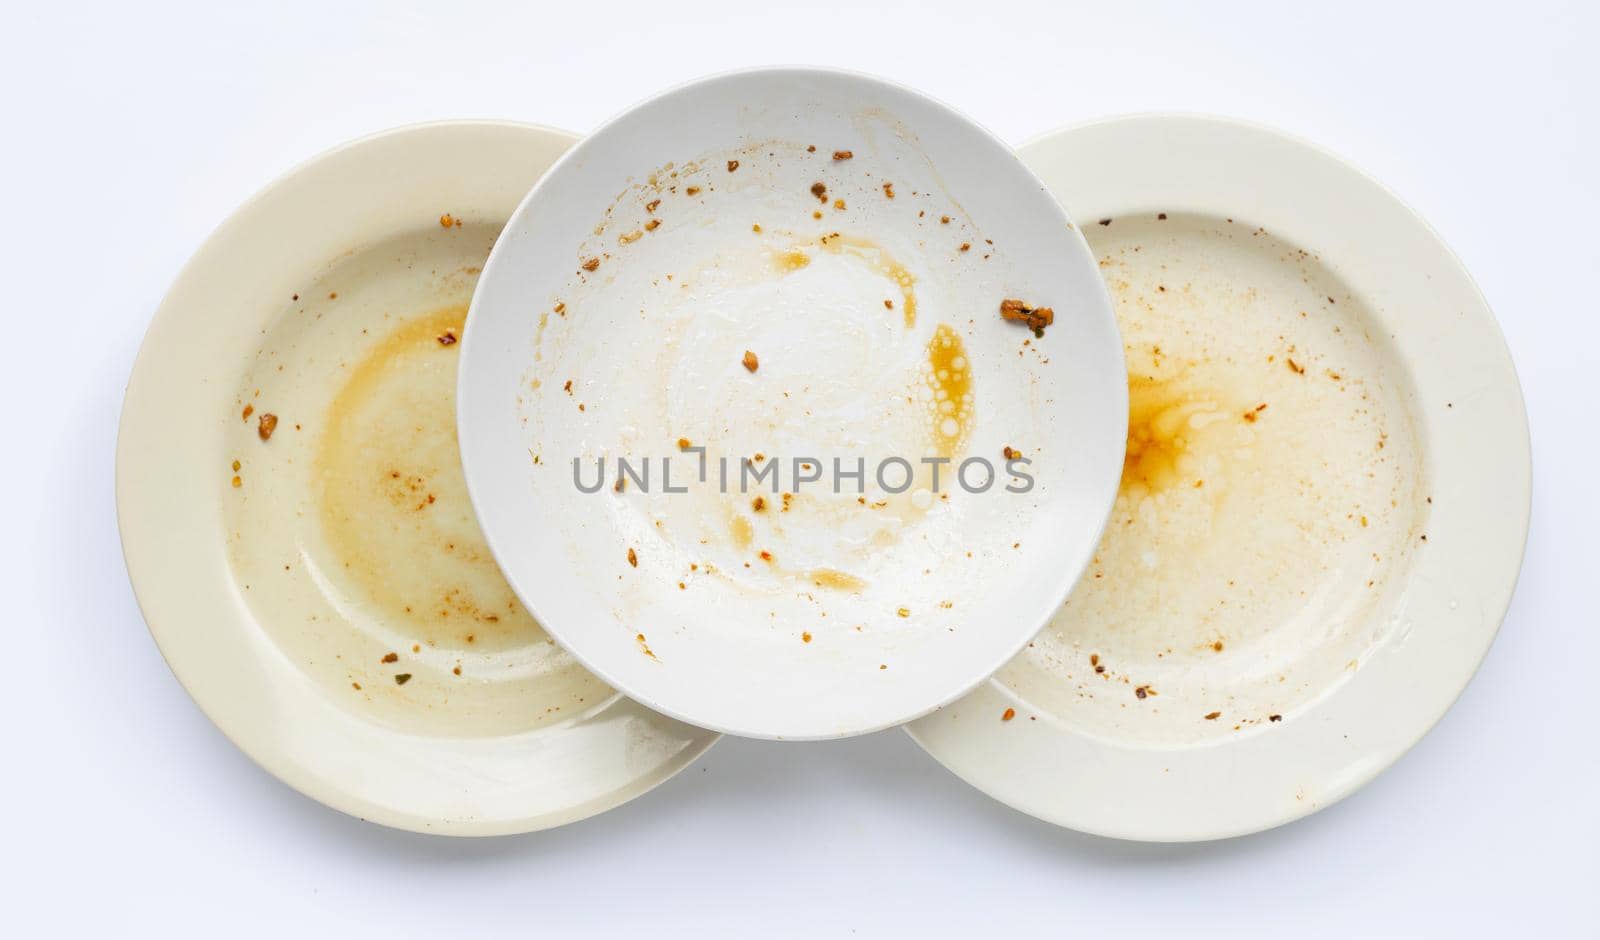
pixel 1166 478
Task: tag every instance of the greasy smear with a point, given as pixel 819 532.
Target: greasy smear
pixel 835 579
pixel 1166 419
pixel 739 527
pixel 392 501
pixel 948 376
pixel 791 260
pixel 874 254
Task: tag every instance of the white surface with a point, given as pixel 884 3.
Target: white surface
pixel 134 131
pixel 949 586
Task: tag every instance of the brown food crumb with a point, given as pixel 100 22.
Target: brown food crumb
pixel 247 412
pixel 1162 216
pixel 966 246
pixel 1274 717
pixel 750 361
pixel 1297 367
pixel 390 657
pixel 805 637
pixel 652 225
pixel 842 154
pixel 561 307
pixel 633 558
pixel 651 205
pixel 356 686
pixel 766 556
pixel 266 424
pixel 693 190
pixel 447 338
pixel 838 203
pixel 446 220
pixel 944 220
pixel 1008 714
pixel 237 482
pixel 759 504
pixel 888 190
pixel 236 466
pixel 733 165
pixel 820 190
pixel 1213 716
pixel 904 612
pixel 1011 453
pixel 592 264
pixel 811 149
pixel 1035 318
pixel 683 443
pixel 1216 646
pixel 402 678
pixel 456 670
pixel 1142 691
pixel 1105 221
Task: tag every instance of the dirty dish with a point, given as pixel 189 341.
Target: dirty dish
pixel 864 379
pixel 1300 573
pixel 295 523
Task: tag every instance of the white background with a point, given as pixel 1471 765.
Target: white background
pixel 132 130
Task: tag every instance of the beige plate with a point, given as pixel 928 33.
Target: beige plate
pixel 1322 513
pixel 278 575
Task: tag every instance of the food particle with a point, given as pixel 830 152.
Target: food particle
pixel 446 221
pixel 390 657
pixel 1035 318
pixel 592 264
pixel 266 424
pixel 1008 714
pixel 842 154
pixel 633 558
pixel 733 165
pixel 402 678
pixel 750 361
pixel 820 190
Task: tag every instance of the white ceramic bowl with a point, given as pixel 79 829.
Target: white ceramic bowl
pixel 1341 311
pixel 279 607
pixel 857 240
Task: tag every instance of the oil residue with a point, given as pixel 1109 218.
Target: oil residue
pixel 948 377
pixel 835 579
pixel 393 501
pixel 790 261
pixel 876 256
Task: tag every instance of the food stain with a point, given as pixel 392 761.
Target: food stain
pixel 948 377
pixel 876 256
pixel 1163 418
pixel 835 579
pixel 392 501
pixel 741 530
